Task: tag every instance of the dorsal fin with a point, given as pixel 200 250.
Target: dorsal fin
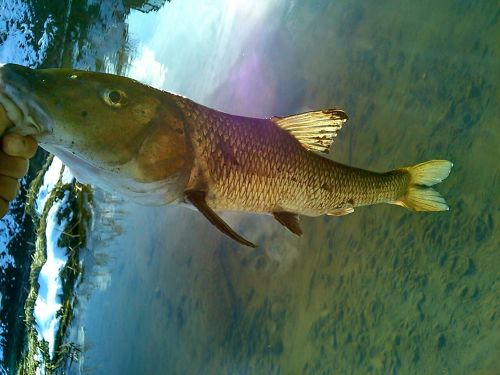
pixel 314 130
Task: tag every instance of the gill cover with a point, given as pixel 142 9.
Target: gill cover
pixel 113 123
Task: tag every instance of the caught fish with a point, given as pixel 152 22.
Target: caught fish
pixel 157 148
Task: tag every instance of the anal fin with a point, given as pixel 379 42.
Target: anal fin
pixel 341 211
pixel 197 198
pixel 289 220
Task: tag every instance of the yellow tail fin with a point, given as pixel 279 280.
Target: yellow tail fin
pixel 420 196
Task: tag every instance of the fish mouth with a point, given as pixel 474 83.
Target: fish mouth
pixel 20 108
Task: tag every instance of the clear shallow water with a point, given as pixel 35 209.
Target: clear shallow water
pixel 381 291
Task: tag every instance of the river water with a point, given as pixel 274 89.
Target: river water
pixel 380 291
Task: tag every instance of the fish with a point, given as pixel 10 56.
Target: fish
pixel 156 147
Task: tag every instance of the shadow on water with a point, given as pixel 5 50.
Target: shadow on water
pixel 381 291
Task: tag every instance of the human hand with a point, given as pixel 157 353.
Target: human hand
pixel 15 150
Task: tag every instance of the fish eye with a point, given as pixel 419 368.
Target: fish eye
pixel 115 98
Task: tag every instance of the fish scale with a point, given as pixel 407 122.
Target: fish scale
pixel 253 165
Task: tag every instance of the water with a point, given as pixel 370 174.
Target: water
pixel 381 291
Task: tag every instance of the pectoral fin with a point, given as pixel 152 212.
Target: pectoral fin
pixel 197 198
pixel 289 220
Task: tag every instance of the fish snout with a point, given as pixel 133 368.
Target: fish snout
pixel 16 87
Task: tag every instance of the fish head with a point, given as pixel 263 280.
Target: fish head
pixel 98 119
pixel 81 111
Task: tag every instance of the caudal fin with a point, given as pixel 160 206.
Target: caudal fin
pixel 420 196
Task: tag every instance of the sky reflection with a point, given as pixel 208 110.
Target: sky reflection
pixel 178 39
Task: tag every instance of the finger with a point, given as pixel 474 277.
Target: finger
pixel 17 145
pixel 9 188
pixel 4 207
pixel 12 166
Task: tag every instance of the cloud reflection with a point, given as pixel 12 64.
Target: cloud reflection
pixel 147 69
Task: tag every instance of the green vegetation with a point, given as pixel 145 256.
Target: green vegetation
pixel 76 212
